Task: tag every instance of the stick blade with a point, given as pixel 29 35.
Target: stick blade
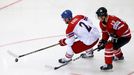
pixel 49 67
pixel 12 54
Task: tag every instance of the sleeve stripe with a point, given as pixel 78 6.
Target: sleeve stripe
pixel 70 35
pixel 120 26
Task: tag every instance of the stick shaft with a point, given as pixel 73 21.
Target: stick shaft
pixel 95 49
pixel 37 50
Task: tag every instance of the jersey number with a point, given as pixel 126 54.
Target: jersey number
pixel 87 27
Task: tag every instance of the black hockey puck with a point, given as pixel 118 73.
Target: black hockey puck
pixel 55 68
pixel 16 60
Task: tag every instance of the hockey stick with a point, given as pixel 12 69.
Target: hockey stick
pixel 55 68
pixel 16 60
pixel 95 49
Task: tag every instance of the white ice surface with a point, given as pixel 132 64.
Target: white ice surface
pixel 29 25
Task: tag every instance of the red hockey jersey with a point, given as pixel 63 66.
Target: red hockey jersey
pixel 114 26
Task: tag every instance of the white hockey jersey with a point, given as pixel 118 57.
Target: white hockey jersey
pixel 81 27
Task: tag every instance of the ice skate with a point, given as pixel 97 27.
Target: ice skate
pixel 87 55
pixel 63 60
pixel 114 58
pixel 106 67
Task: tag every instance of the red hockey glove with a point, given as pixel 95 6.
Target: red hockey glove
pixel 62 42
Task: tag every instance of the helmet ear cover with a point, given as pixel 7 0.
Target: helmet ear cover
pixel 66 20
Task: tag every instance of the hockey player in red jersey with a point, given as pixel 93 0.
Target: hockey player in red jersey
pixel 81 35
pixel 119 32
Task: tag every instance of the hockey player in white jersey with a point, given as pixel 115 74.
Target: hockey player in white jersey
pixel 87 35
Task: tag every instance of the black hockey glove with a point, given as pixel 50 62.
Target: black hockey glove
pixel 101 44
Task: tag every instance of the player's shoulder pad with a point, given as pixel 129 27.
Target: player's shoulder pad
pixel 73 23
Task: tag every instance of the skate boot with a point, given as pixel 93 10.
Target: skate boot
pixel 106 67
pixel 64 61
pixel 87 55
pixel 114 58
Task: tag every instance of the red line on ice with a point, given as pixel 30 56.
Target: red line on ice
pixel 9 4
